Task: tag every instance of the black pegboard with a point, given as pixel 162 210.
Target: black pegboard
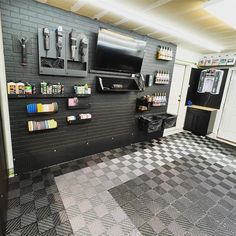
pixel 114 115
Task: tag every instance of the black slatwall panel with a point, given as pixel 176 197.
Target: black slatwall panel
pixel 114 117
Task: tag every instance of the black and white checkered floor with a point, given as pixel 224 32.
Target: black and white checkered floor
pixel 181 185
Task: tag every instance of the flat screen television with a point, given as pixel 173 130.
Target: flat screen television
pixel 118 53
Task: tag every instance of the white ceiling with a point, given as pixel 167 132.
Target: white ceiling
pixel 186 15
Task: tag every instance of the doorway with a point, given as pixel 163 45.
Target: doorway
pixel 227 128
pixel 178 91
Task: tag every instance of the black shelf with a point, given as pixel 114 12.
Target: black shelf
pixel 26 96
pixel 162 59
pixel 41 113
pixel 82 121
pixel 79 106
pixel 110 73
pixel 106 84
pixel 161 83
pixel 106 90
pixel 42 130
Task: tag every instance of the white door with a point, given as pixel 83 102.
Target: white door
pixel 176 90
pixel 227 129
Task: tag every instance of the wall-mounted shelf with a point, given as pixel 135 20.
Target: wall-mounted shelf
pixel 81 121
pixel 162 59
pixel 161 83
pixel 117 85
pixel 16 96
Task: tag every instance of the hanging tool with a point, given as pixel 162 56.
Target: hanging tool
pixel 59 38
pixel 73 41
pixel 23 40
pixel 83 48
pixel 46 35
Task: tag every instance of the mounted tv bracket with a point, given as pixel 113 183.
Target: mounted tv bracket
pixel 210 81
pixel 23 40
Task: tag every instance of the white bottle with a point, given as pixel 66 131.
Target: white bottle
pixel 165 52
pixel 165 78
pixel 157 77
pixel 162 52
pixel 168 53
pixel 171 54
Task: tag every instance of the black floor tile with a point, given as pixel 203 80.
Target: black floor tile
pixel 193 195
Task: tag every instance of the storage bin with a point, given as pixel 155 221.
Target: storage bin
pixel 151 123
pixel 169 120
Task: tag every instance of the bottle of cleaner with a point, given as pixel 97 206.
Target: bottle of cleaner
pixel 11 87
pixel 20 88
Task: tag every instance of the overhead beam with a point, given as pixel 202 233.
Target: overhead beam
pixel 146 9
pixel 79 4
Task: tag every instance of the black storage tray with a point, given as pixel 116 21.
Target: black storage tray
pixel 169 120
pixel 151 123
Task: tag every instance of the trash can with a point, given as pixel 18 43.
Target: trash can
pixel 169 120
pixel 150 123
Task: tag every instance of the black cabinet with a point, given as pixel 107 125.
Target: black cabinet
pixel 200 120
pixel 3 182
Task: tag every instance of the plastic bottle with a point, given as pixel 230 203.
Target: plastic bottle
pixel 11 87
pixel 169 53
pixel 28 88
pixel 157 77
pixel 166 77
pixel 20 88
pixel 86 89
pixel 43 87
pixel 159 50
pixel 166 54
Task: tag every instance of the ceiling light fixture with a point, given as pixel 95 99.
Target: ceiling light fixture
pixel 223 10
pixel 144 19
